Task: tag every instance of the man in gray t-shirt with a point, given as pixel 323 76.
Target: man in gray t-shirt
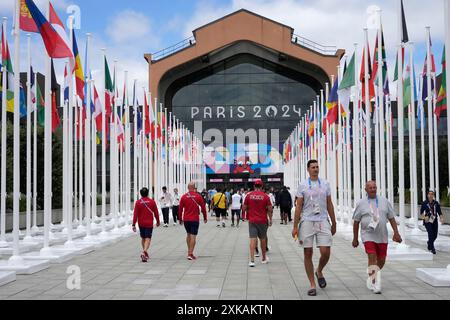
pixel 373 213
pixel 313 207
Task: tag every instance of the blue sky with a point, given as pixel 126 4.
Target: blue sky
pixel 128 29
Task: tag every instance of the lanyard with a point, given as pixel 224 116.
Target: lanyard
pixel 370 205
pixel 309 182
pixel 432 210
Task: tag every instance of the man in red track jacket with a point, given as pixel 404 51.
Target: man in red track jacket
pixel 145 211
pixel 191 204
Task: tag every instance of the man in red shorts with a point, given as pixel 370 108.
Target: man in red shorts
pixel 191 204
pixel 373 213
pixel 259 209
pixel 145 211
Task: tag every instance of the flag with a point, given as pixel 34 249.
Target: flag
pixel 109 91
pixel 55 45
pixel 79 75
pixel 6 57
pixel 40 106
pixel 54 88
pixel 66 85
pixel 384 70
pixel 147 112
pixel 345 87
pixel 405 37
pixel 26 20
pixel 32 90
pixel 370 78
pixel 407 87
pixel 311 125
pixel 59 28
pixel 97 112
pixel 441 103
pixel 332 104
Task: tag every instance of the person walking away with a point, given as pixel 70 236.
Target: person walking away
pixel 145 211
pixel 175 206
pixel 285 202
pixel 429 212
pixel 236 204
pixel 166 202
pixel 372 214
pixel 313 212
pixel 259 213
pixel 191 204
pixel 219 204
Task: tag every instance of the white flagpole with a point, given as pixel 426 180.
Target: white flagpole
pixel 368 107
pixel 401 138
pixel 28 181
pixel 88 156
pixel 430 111
pixel 81 227
pixel 47 152
pixel 380 110
pixel 3 242
pixel 447 65
pixel 356 140
pixel 150 145
pixel 35 228
pixel 135 145
pixel 166 159
pixel 103 99
pixel 391 152
pixel 64 170
pixel 128 157
pixel 69 142
pixel 436 141
pixel 422 137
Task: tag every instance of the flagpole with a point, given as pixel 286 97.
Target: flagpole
pixel 135 145
pixel 356 140
pixel 436 141
pixel 422 138
pixel 380 110
pixel 447 69
pixel 430 112
pixel 103 99
pixel 28 152
pixel 127 156
pixel 81 227
pixel 35 228
pixel 3 242
pixel 64 166
pixel 87 146
pixel 94 170
pixel 368 107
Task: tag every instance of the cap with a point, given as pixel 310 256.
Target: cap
pixel 258 182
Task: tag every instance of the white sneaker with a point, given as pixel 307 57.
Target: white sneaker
pixel 174 224
pixel 265 261
pixel 251 264
pixel 377 285
pixel 257 254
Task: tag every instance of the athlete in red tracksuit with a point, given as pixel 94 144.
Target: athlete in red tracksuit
pixel 191 204
pixel 145 211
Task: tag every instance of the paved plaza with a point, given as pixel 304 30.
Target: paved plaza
pixel 221 271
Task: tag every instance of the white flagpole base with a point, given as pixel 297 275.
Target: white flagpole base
pixel 25 266
pixel 35 230
pixel 51 254
pixel 403 252
pixel 7 277
pixel 23 248
pixel 436 277
pixel 4 244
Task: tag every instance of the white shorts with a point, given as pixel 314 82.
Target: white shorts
pixel 320 230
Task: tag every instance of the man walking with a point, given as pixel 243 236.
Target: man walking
pixel 236 203
pixel 175 205
pixel 429 211
pixel 259 214
pixel 191 204
pixel 285 203
pixel 313 210
pixel 373 214
pixel 166 202
pixel 145 211
pixel 219 204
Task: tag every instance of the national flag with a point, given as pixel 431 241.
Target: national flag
pixel 59 28
pixel 40 106
pixel 54 88
pixel 6 57
pixel 384 70
pixel 26 20
pixel 109 91
pixel 362 76
pixel 79 75
pixel 332 104
pixel 32 90
pixel 97 112
pixel 405 38
pixel 55 45
pixel 311 125
pixel 407 87
pixel 441 102
pixel 345 87
pixel 147 113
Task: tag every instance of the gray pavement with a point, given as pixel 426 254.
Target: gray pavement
pixel 221 271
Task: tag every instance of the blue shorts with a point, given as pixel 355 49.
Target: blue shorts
pixel 146 233
pixel 191 227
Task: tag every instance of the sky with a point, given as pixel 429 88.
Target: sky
pixel 129 29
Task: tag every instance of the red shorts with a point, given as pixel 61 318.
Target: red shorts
pixel 380 249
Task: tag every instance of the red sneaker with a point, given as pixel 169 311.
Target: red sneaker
pixel 146 254
pixel 193 257
pixel 143 257
pixel 189 257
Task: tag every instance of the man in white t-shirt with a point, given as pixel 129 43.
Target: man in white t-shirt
pixel 236 203
pixel 313 211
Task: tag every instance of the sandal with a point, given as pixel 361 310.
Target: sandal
pixel 322 281
pixel 312 292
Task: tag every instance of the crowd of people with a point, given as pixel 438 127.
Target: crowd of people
pixel 314 222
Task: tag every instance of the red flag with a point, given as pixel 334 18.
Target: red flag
pixel 26 20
